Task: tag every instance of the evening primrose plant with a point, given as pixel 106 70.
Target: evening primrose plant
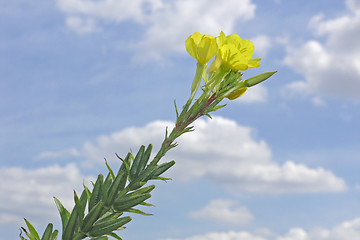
pixel 100 211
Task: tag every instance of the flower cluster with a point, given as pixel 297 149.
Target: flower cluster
pixel 232 54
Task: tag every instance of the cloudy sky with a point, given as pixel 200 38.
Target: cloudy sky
pixel 81 80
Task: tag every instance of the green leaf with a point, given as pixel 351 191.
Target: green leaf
pixel 87 191
pixel 47 232
pixel 64 214
pixel 71 224
pixel 126 162
pixel 107 182
pixel 176 110
pixel 109 217
pixel 100 238
pixel 123 204
pixel 33 232
pixel 110 170
pixel 161 178
pixel 134 170
pixel 80 208
pixel 147 204
pixel 137 211
pixel 258 79
pixel 145 158
pixel 54 235
pixel 163 167
pixel 114 235
pixel 99 230
pixel 91 217
pixel 97 192
pixel 117 185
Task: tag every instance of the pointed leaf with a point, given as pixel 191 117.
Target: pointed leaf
pixel 71 224
pixel 47 232
pixel 32 230
pixel 100 230
pixel 137 211
pixel 54 235
pixel 91 217
pixel 64 213
pixel 114 235
pixel 97 192
pixel 134 170
pixel 110 170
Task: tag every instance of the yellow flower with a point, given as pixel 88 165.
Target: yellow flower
pixel 236 53
pixel 201 47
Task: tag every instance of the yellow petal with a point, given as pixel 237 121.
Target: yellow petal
pixel 254 63
pixel 236 94
pixel 232 58
pixel 201 47
pixel 190 47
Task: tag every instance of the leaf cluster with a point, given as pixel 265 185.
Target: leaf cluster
pixel 99 212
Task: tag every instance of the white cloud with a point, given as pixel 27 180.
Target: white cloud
pixel 58 154
pixel 346 230
pixel 168 23
pixel 109 10
pixel 223 211
pixel 331 68
pixel 82 25
pixel 295 234
pixel 262 44
pixel 231 235
pixel 318 102
pixel 29 192
pixel 220 150
pixel 166 32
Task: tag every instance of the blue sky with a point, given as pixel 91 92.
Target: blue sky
pixel 81 80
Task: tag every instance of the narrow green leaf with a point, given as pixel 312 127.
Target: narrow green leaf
pixel 71 224
pixel 54 235
pixel 47 233
pixel 87 191
pixel 110 170
pixel 161 178
pixel 64 213
pixel 100 238
pixel 114 235
pixel 27 234
pixel 100 230
pixel 91 217
pixel 176 110
pixel 79 207
pixel 143 177
pixel 146 156
pixel 134 170
pixel 107 183
pixel 163 167
pixel 117 185
pixel 147 204
pixel 83 200
pixel 109 217
pixel 137 211
pixel 32 230
pixel 258 79
pixel 97 192
pixel 125 204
